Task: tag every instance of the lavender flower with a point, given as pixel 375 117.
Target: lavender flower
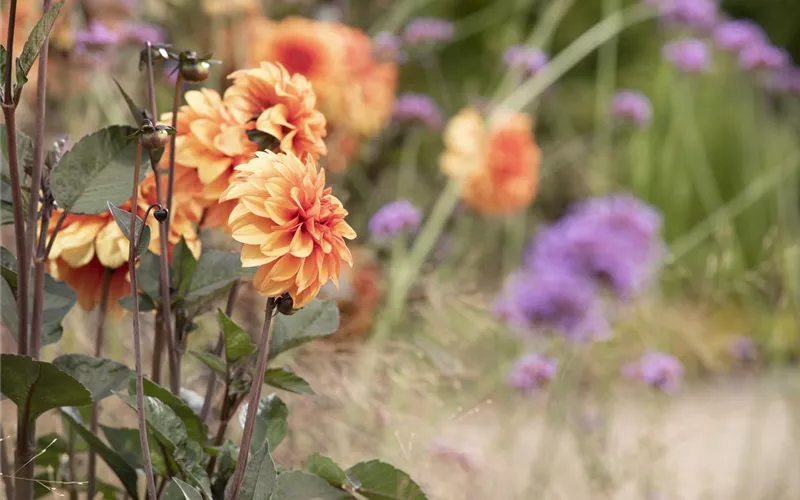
pixel 139 33
pixel 733 36
pixel 632 107
pixel 689 55
pixel 96 34
pixel 394 219
pixel 762 56
pixel 698 14
pixel 614 239
pixel 743 349
pixel 386 47
pixel 418 107
pixel 658 370
pixel 531 372
pixel 428 30
pixel 785 80
pixel 529 59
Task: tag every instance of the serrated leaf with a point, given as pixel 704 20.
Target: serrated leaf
pixel 98 169
pixel 33 45
pixel 237 342
pixel 179 490
pixel 317 319
pixel 123 220
pixel 195 428
pixel 212 361
pixel 219 270
pixel 39 385
pixel 270 422
pixel 328 470
pixel 124 471
pixel 285 379
pixel 260 477
pixel 300 485
pixel 381 481
pixel 101 376
pixel 183 267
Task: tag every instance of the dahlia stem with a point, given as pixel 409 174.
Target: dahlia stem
pixel 252 406
pixel 137 344
pixel 38 282
pixel 176 100
pixel 59 222
pixel 98 351
pixel 212 376
pixel 158 349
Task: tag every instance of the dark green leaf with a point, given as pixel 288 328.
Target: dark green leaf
pixel 328 470
pixel 40 385
pixel 381 481
pixel 100 376
pixel 183 266
pixel 179 490
pixel 137 113
pixel 125 442
pixel 8 267
pixel 6 213
pixel 219 270
pixel 259 476
pixel 300 485
pixel 270 422
pixel 145 303
pixel 123 219
pixel 212 361
pixel 317 319
pixel 3 62
pixel 124 471
pixel 35 42
pixel 227 457
pixel 50 448
pixel 237 342
pixel 98 169
pixel 283 378
pixel 195 428
pixel 24 153
pixel 149 276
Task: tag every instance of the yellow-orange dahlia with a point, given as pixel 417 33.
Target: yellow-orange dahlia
pixel 499 163
pixel 291 226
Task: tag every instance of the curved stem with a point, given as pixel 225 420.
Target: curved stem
pixel 98 351
pixel 212 375
pixel 252 406
pixel 59 222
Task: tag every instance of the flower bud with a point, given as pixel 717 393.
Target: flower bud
pixel 285 304
pixel 161 214
pixel 194 71
pixel 154 138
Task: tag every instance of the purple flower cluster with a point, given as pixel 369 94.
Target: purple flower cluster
pixel 762 57
pixel 394 219
pixel 734 36
pixel 424 30
pixel 630 106
pixel 529 59
pixel 531 372
pixel 417 107
pixel 786 80
pixel 96 34
pixel 695 14
pixel 658 370
pixel 388 47
pixel 689 55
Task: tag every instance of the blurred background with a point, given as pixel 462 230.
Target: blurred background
pixel 616 316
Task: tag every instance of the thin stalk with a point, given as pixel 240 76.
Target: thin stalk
pixel 73 474
pixel 224 420
pixel 137 342
pixel 606 81
pixel 212 375
pixel 252 407
pixel 5 466
pixel 98 351
pixel 158 349
pixel 176 101
pixel 25 460
pixel 59 222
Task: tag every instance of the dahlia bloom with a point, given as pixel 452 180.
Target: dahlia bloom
pixel 632 107
pixel 658 370
pixel 689 55
pixel 498 163
pixel 393 219
pixel 531 372
pixel 291 226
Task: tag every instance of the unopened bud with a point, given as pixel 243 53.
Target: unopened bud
pixel 161 214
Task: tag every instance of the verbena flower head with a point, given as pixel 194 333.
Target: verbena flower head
pixel 394 219
pixel 733 36
pixel 532 372
pixel 96 34
pixel 425 30
pixel 614 239
pixel 529 59
pixel 688 55
pixel 658 370
pixel 139 33
pixel 762 56
pixel 633 107
pixel 291 226
pixel 785 80
pixel 743 349
pixel 387 47
pixel 498 162
pixel 696 14
pixel 418 107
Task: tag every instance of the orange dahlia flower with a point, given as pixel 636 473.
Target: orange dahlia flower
pixel 87 281
pixel 291 226
pixel 498 163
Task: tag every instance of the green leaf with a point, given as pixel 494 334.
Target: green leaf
pixel 50 448
pixel 8 267
pixel 24 152
pixel 35 42
pixel 3 62
pixel 40 385
pixel 124 471
pixel 179 490
pixel 137 113
pixel 100 376
pixel 270 422
pixel 6 213
pixel 98 169
pixel 212 361
pixel 317 319
pixel 300 485
pixel 237 342
pixel 283 378
pixel 219 270
pixel 183 267
pixel 123 219
pixel 328 470
pixel 259 476
pixel 125 442
pixel 149 276
pixel 195 428
pixel 381 481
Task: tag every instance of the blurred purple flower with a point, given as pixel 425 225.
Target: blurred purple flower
pixel 733 36
pixel 428 30
pixel 658 370
pixel 614 239
pixel 449 452
pixel 531 372
pixel 530 59
pixel 743 349
pixel 96 34
pixel 689 55
pixel 419 107
pixel 697 14
pixel 386 47
pixel 762 56
pixel 785 80
pixel 632 107
pixel 139 33
pixel 396 218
